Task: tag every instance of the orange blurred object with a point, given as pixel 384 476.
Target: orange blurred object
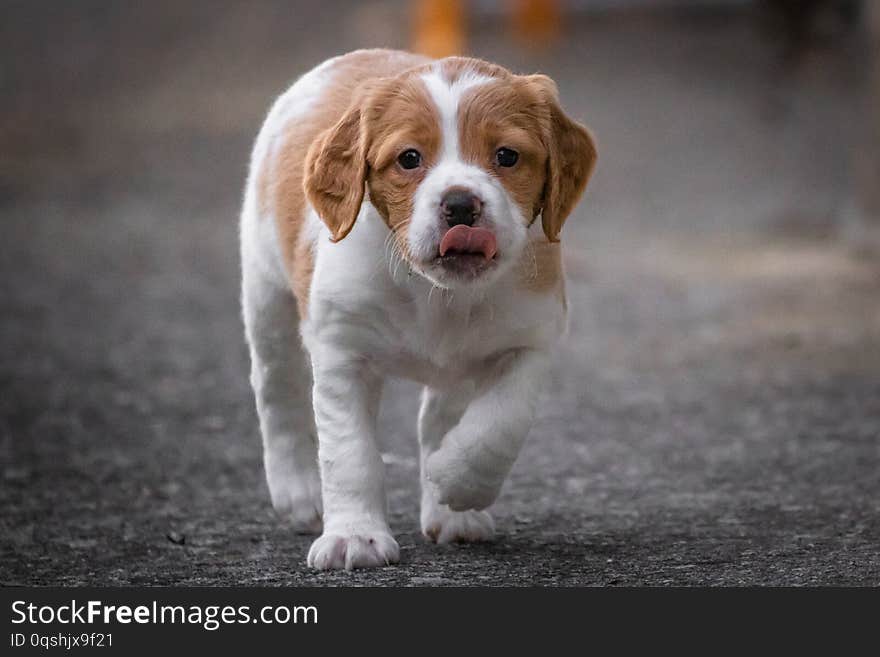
pixel 536 22
pixel 439 27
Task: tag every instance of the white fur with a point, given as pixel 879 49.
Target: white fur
pixel 446 97
pixel 480 350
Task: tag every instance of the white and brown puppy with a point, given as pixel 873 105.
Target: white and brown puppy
pixel 389 229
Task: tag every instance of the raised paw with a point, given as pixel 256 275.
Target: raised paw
pixel 457 484
pixel 369 549
pixel 440 524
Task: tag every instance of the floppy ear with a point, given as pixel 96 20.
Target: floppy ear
pixel 336 172
pixel 570 162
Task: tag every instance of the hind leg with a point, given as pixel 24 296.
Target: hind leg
pixel 282 382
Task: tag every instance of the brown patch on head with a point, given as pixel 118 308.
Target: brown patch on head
pixel 508 114
pixel 281 175
pixel 556 155
pixel 400 117
pixel 386 117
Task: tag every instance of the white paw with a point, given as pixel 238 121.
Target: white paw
pixel 441 525
pixel 367 549
pixel 297 497
pixel 456 484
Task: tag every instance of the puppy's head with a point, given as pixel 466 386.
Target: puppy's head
pixel 459 157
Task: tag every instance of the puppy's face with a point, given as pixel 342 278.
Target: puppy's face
pixel 459 158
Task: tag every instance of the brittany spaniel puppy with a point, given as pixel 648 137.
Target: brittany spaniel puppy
pixel 389 229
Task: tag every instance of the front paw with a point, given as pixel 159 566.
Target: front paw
pixel 457 484
pixel 362 549
pixel 440 524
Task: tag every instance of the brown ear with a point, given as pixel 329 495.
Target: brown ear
pixel 570 162
pixel 336 172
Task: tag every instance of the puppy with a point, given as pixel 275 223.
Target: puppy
pixel 390 228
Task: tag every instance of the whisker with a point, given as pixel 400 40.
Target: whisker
pixel 530 253
pixel 393 250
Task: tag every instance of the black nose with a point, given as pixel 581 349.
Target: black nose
pixel 459 206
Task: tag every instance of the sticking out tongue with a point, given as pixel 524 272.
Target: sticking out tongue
pixel 467 240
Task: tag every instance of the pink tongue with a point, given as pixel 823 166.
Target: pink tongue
pixel 464 239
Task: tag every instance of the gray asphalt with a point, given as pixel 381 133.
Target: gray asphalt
pixel 714 417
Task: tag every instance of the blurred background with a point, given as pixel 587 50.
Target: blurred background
pixel 714 417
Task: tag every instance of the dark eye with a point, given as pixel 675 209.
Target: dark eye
pixel 506 157
pixel 409 159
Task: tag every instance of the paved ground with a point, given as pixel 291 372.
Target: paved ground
pixel 714 417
